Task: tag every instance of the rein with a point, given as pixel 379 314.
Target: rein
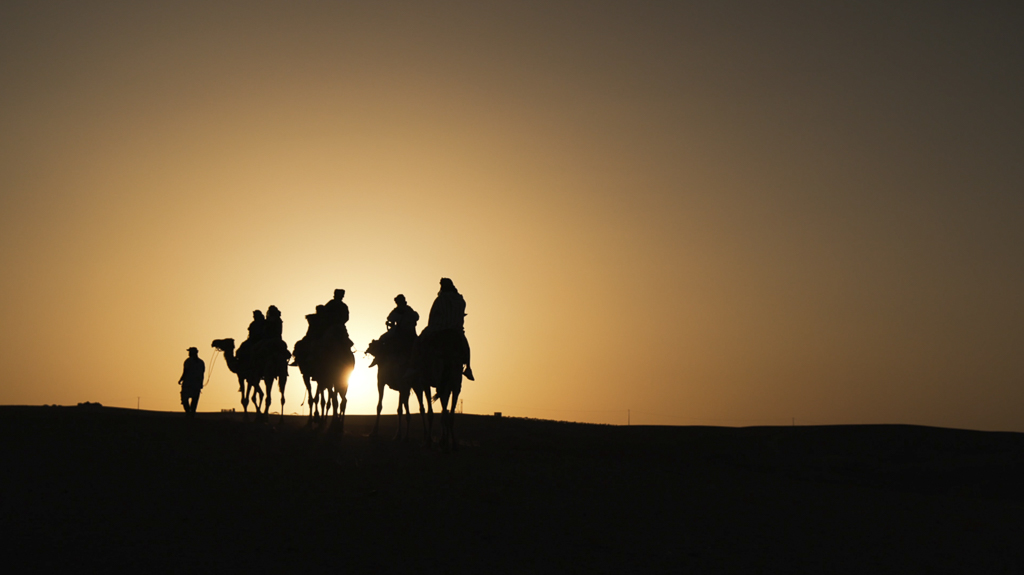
pixel 209 373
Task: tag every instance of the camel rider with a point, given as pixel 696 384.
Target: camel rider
pixel 257 329
pixel 273 326
pixel 258 326
pixel 401 334
pixel 403 318
pixel 448 313
pixel 336 311
pixel 191 381
pixel 317 323
pixel 313 332
pixel 335 316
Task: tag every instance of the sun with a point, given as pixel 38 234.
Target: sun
pixel 362 386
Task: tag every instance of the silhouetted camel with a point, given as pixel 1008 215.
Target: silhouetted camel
pixel 393 362
pixel 328 360
pixel 314 399
pixel 245 368
pixel 311 370
pixel 267 361
pixel 438 363
pixel 271 358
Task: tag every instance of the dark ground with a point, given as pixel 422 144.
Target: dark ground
pixel 112 488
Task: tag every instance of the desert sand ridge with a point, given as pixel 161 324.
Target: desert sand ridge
pixel 136 489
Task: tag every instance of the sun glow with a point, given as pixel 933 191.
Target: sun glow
pixel 637 219
pixel 362 386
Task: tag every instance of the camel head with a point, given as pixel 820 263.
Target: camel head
pixel 226 345
pixel 374 348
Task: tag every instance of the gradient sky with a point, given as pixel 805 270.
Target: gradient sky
pixel 704 213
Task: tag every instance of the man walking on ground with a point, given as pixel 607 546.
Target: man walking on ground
pixel 191 381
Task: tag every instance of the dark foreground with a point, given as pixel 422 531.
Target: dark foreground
pixel 111 488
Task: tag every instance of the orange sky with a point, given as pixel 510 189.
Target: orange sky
pixel 706 215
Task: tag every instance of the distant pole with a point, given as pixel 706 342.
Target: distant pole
pixel 627 418
pixel 138 401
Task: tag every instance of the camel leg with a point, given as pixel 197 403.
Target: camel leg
pixel 444 419
pixel 430 418
pixel 451 419
pixel 344 403
pixel 309 397
pixel 241 391
pixel 247 400
pixel 245 397
pixel 281 381
pixel 340 389
pixel 269 385
pixel 316 405
pixel 404 401
pixel 408 413
pixel 408 421
pixel 257 396
pixel 326 396
pixel 380 404
pixel 321 404
pixel 423 416
pixel 398 432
